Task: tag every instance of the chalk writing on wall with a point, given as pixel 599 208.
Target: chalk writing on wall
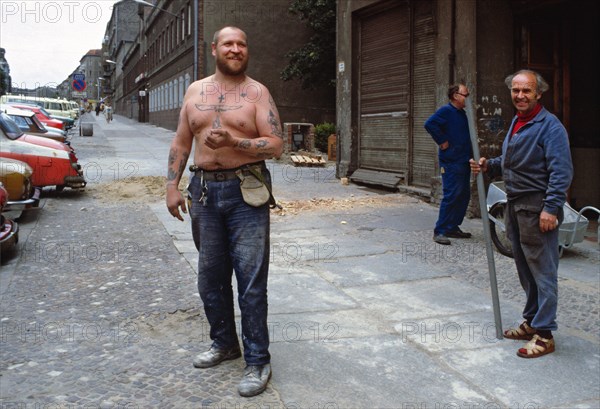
pixel 490 114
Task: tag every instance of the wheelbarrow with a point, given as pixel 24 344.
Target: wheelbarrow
pixel 570 232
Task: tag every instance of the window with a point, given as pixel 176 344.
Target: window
pixel 20 121
pixel 189 32
pixel 182 25
pixel 168 40
pixel 175 93
pixel 173 36
pixel 187 81
pixel 181 91
pixel 159 99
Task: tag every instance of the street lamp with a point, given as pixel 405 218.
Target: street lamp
pixel 145 3
pixel 111 62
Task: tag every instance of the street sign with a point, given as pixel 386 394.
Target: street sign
pixel 79 85
pixel 78 77
pixel 76 94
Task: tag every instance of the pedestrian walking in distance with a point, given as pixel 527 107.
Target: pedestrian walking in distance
pixel 234 125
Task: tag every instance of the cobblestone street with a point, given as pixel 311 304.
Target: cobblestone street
pixel 99 305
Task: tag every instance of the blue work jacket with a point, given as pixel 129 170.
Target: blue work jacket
pixel 450 124
pixel 536 159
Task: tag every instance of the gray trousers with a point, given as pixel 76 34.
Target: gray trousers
pixel 536 258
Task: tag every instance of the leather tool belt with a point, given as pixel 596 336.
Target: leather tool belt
pixel 221 175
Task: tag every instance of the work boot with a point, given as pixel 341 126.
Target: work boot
pixel 255 379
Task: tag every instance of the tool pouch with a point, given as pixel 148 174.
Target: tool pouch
pixel 254 190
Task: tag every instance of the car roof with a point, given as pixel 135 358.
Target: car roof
pixel 10 110
pixel 23 105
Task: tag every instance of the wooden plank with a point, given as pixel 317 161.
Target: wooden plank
pixel 305 160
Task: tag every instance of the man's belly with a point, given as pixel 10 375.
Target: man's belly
pixel 223 158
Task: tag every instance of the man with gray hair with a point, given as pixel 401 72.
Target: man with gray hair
pixel 537 171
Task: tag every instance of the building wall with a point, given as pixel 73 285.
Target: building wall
pixel 463 68
pixel 347 142
pixel 272 32
pixel 494 63
pixel 170 60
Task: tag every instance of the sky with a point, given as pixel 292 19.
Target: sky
pixel 45 39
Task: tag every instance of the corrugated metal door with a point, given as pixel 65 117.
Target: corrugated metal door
pixel 396 90
pixel 384 90
pixel 424 150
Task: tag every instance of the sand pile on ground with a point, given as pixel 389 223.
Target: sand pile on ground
pixel 148 189
pixel 300 206
pixel 139 189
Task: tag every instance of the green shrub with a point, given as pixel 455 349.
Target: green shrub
pixel 322 132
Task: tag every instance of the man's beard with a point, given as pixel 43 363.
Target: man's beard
pixel 227 70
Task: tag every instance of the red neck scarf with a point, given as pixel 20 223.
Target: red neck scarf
pixel 522 119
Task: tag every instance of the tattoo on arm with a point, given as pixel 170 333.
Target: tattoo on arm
pixel 175 172
pixel 244 144
pixel 266 154
pixel 172 156
pixel 273 119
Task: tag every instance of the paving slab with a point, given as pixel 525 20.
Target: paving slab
pixel 569 377
pixel 371 269
pixel 379 371
pixel 440 335
pixel 326 326
pixel 305 292
pixel 420 299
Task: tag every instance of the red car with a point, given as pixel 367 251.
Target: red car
pixel 53 163
pixel 41 114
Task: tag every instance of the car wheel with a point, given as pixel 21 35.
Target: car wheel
pixel 499 237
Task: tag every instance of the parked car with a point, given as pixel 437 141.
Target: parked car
pixel 30 124
pixel 68 122
pixel 75 110
pixel 9 230
pixel 53 163
pixel 55 106
pixel 16 178
pixel 42 115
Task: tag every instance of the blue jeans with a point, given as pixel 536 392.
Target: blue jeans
pixel 456 188
pixel 536 258
pixel 231 235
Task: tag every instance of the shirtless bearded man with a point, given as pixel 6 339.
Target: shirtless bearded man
pixel 234 123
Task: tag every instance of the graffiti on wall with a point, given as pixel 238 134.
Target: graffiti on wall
pixel 490 114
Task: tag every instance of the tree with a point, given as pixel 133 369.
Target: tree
pixel 314 62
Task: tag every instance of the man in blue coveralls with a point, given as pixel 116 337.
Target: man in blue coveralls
pixel 450 130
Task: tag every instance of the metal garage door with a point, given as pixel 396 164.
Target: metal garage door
pixel 396 94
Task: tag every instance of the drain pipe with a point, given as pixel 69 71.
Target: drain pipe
pixel 452 55
pixel 195 40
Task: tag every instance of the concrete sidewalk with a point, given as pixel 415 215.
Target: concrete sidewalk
pixel 365 311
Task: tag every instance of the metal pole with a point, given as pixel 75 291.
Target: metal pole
pixel 485 220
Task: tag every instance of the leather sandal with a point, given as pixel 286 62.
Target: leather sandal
pixel 537 347
pixel 522 332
